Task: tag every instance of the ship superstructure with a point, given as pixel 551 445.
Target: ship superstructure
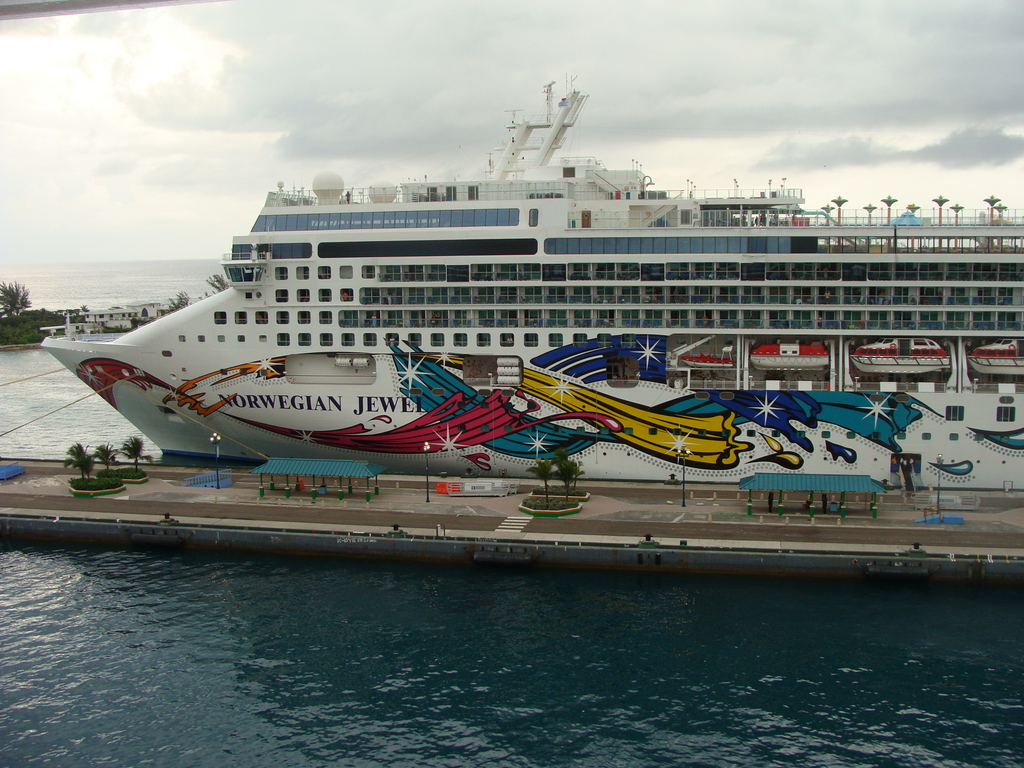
pixel 561 304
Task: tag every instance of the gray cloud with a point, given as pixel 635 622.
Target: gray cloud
pixel 960 149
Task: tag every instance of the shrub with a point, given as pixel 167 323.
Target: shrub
pixel 95 483
pixel 122 473
pixel 549 505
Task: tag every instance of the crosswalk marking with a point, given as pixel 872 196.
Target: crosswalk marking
pixel 514 523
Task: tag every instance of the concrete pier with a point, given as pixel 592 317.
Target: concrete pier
pixel 634 526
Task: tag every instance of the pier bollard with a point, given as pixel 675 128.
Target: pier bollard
pixel 288 492
pixel 261 491
pixel 341 495
pixel 368 496
pixel 313 494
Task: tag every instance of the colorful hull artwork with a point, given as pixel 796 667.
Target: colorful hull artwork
pixel 561 403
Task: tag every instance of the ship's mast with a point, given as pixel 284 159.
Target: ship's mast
pixel 558 121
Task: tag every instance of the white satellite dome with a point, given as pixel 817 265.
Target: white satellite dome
pixel 328 187
pixel 383 191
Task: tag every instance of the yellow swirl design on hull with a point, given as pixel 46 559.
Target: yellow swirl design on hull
pixel 717 448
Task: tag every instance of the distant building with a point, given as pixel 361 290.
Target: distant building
pixel 111 319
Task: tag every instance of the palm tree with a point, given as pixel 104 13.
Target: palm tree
pixel 105 454
pixel 543 470
pixel 218 282
pixel 567 470
pixel 132 450
pixel 78 456
pixel 13 299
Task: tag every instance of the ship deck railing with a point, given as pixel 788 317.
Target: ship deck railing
pixel 727 324
pixel 777 301
pixel 743 215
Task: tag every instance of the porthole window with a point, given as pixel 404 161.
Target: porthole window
pixel 241 338
pixel 283 340
pixel 241 318
pixel 262 317
pixel 326 317
pixel 220 318
pixel 926 435
pixel 483 339
pixel 221 338
pixel 415 339
pixel 554 339
pixel 437 339
pixel 1006 400
pixel 348 339
pixel 305 339
pixel 323 272
pixel 302 273
pixel 531 340
pixel 281 296
pixel 507 339
pixel 461 340
pixel 302 294
pixel 326 339
pixel 954 436
pixel 324 294
pixel 166 353
pixel 180 338
pixel 282 318
pixel 305 318
pixel 200 338
pixel 369 339
pixel 263 338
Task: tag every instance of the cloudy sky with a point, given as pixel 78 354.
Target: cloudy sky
pixel 156 133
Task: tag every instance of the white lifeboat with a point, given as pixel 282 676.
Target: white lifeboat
pixel 789 356
pixel 1005 356
pixel 900 356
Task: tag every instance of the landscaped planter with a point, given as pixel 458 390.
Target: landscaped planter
pixel 528 504
pixel 135 481
pixel 580 496
pixel 90 494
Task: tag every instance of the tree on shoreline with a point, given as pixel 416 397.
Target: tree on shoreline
pixel 13 299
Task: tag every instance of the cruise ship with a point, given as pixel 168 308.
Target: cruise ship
pixel 559 304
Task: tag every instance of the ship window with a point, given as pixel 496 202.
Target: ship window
pixel 305 339
pixel 344 272
pixel 280 273
pixel 461 340
pixel 954 413
pixel 283 339
pixel 220 318
pixel 1006 413
pixel 346 294
pixel 531 339
pixel 1006 400
pixel 282 318
pixel 851 435
pixel 954 436
pixel 326 339
pixel 241 338
pixel 302 294
pixel 473 192
pixel 483 339
pixel 391 339
pixel 324 294
pixel 826 435
pixel 554 339
pixel 200 338
pixel 901 435
pixel 326 317
pixel 369 339
pixel 166 353
pixel 507 339
pixel 348 339
pixel 291 250
pixel 415 339
pixel 180 338
pixel 305 318
pixel 263 339
pixel 281 296
pixel 302 273
pixel 926 435
pixel 535 216
pixel 323 272
pixel 437 339
pixel 241 318
pixel 221 338
pixel 262 317
pixel 369 271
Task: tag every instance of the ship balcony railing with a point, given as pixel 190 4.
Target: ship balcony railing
pixel 756 218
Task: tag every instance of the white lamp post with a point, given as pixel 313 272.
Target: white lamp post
pixel 215 439
pixel 426 466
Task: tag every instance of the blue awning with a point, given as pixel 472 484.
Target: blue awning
pixel 318 468
pixel 804 483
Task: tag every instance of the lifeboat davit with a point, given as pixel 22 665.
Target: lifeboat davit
pixel 1006 356
pixel 790 356
pixel 900 356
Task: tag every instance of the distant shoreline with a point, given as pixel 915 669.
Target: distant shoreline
pixel 21 347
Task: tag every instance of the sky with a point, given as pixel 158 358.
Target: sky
pixel 156 133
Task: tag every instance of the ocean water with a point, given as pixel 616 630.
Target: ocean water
pixel 128 658
pixel 98 285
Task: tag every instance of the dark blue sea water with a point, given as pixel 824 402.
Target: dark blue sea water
pixel 123 658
